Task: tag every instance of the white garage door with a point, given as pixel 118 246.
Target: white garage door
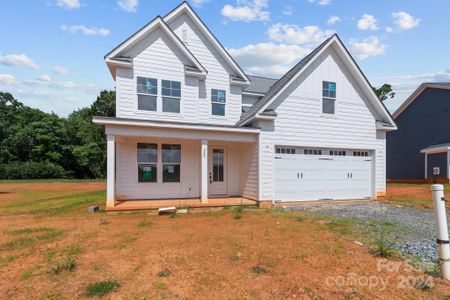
pixel 315 174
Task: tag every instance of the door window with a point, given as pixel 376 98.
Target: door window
pixel 218 161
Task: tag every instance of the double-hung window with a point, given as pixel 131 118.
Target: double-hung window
pixel 171 162
pixel 147 91
pixel 328 97
pixel 147 158
pixel 171 94
pixel 218 100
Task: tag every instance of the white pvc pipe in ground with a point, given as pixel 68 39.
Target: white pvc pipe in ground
pixel 441 230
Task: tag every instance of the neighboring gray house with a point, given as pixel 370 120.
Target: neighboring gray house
pixel 190 124
pixel 420 149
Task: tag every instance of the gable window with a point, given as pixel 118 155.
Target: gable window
pixel 147 91
pixel 171 94
pixel 171 162
pixel 218 99
pixel 328 97
pixel 147 159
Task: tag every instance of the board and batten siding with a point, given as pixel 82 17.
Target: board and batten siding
pixel 218 73
pixel 157 57
pixel 300 121
pixel 239 157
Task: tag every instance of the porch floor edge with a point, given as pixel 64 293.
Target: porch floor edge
pixel 130 205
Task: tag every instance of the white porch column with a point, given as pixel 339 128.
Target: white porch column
pixel 110 170
pixel 204 171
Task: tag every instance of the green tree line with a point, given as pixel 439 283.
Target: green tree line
pixel 35 144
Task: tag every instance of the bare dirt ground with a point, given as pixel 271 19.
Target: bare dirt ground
pixel 418 195
pixel 265 254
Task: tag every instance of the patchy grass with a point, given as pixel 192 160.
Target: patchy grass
pixel 66 264
pixel 54 249
pixel 412 195
pixel 102 288
pixel 258 270
pixel 144 223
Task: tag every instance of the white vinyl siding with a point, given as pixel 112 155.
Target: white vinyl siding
pixel 218 76
pixel 300 121
pixel 242 176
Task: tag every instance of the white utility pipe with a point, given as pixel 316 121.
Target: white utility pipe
pixel 441 230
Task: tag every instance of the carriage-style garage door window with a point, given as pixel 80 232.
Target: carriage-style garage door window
pixel 171 162
pixel 328 97
pixel 147 158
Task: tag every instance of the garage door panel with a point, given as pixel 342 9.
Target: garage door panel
pixel 313 177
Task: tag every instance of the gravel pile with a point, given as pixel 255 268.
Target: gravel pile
pixel 412 230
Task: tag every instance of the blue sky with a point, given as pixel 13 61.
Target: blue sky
pixel 51 55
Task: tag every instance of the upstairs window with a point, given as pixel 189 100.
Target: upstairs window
pixel 218 99
pixel 147 159
pixel 171 93
pixel 328 97
pixel 147 91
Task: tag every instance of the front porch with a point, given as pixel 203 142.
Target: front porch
pixel 130 205
pixel 159 164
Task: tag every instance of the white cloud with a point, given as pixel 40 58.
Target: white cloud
pixel 268 59
pixel 247 11
pixel 320 2
pixel 405 20
pixel 7 79
pixel 389 29
pixel 60 70
pixel 288 11
pixel 128 5
pixel 199 2
pixel 18 60
pixel 367 22
pixel 68 4
pixel 293 34
pixel 367 47
pixel 333 20
pixel 85 30
pixel 45 78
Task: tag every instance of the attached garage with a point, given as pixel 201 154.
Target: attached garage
pixel 305 174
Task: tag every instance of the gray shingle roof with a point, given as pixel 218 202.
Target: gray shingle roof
pixel 280 83
pixel 259 84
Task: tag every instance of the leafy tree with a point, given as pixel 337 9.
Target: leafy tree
pixel 384 92
pixel 35 144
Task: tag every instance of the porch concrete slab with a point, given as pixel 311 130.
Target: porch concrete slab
pixel 125 205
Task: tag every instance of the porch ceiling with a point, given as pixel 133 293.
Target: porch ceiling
pixel 143 128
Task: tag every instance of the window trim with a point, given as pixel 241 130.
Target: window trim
pixel 329 98
pixel 171 163
pixel 152 163
pixel 170 97
pixel 146 94
pixel 218 102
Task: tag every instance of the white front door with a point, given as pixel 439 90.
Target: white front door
pixel 218 179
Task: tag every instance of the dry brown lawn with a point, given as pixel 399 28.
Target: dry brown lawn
pixel 266 254
pixel 417 195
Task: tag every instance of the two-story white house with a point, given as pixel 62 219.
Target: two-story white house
pixel 190 124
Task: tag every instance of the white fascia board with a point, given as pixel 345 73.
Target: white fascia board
pixel 140 123
pixel 356 72
pixel 158 22
pixel 253 94
pixel 211 38
pixel 435 150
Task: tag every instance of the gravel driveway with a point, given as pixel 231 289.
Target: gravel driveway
pixel 413 229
